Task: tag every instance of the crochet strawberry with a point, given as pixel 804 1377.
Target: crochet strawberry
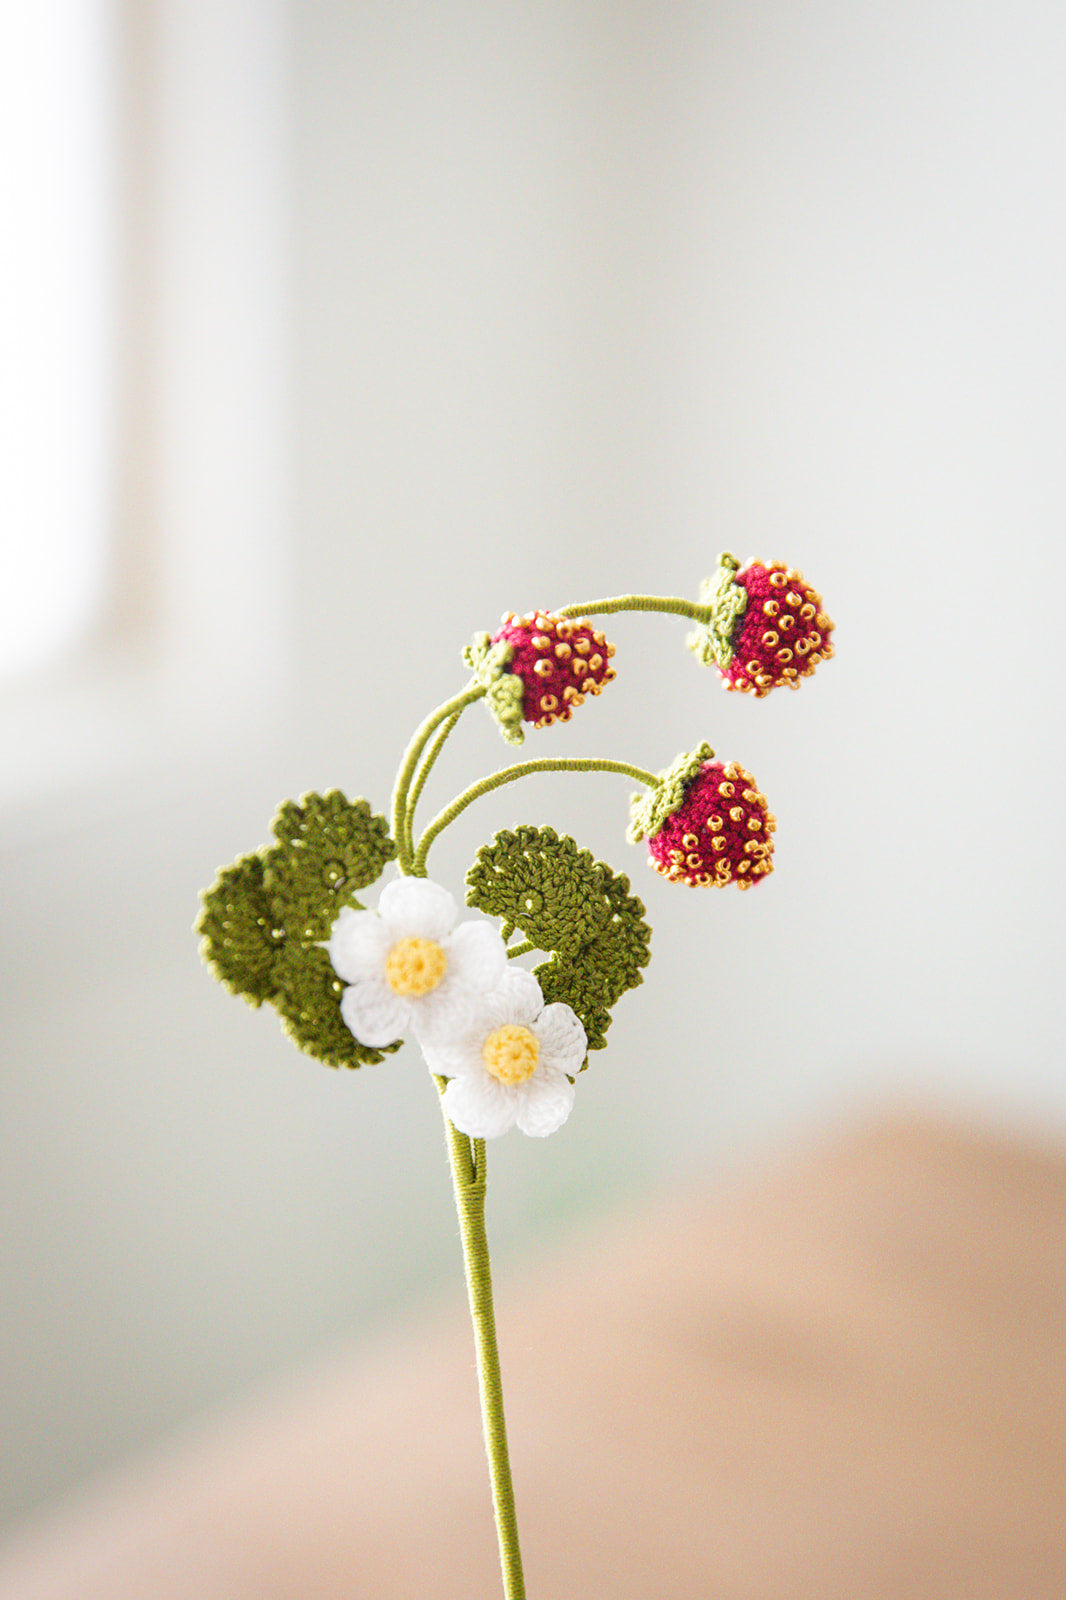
pixel 536 668
pixel 705 823
pixel 766 626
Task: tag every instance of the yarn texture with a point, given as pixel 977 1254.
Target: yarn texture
pixel 265 918
pixel 708 825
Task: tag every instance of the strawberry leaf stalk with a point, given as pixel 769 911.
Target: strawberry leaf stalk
pixel 766 628
pixel 705 823
pixel 538 668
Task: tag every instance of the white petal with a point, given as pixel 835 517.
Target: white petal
pixel 477 956
pixel 449 1015
pixel 561 1036
pixel 544 1102
pixel 358 944
pixel 516 998
pixel 449 1061
pixel 414 908
pixel 480 1106
pixel 373 1013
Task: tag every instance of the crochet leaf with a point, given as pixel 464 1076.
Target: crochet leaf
pixel 240 945
pixel 265 917
pixel 571 906
pixel 328 848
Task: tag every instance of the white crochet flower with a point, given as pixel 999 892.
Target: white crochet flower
pixel 408 966
pixel 510 1064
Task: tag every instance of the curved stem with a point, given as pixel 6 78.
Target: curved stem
pixel 419 784
pixel 509 775
pixel 468 1178
pixel 450 708
pixel 522 949
pixel 638 602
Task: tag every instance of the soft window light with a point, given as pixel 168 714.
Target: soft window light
pixel 55 345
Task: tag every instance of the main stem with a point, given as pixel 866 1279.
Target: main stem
pixel 468 1177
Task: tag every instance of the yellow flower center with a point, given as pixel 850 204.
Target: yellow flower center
pixel 511 1054
pixel 415 967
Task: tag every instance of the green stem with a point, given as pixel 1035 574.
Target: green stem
pixel 508 775
pixel 638 602
pixel 451 709
pixel 419 784
pixel 468 1177
pixel 522 949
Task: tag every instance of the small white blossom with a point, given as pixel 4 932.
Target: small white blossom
pixel 410 967
pixel 512 1063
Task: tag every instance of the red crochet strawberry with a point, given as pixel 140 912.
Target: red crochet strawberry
pixel 705 823
pixel 536 668
pixel 766 626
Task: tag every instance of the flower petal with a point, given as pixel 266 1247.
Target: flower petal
pixel 416 908
pixel 561 1037
pixel 449 1016
pixel 358 944
pixel 477 956
pixel 373 1013
pixel 543 1102
pixel 516 998
pixel 449 1060
pixel 479 1106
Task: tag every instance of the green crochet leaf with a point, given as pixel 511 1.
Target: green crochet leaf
pixel 575 908
pixel 240 942
pixel 265 918
pixel 328 848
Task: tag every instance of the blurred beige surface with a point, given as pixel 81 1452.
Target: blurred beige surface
pixel 845 1379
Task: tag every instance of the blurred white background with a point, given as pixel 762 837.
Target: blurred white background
pixel 401 316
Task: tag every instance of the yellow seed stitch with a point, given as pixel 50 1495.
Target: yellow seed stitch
pixel 574 696
pixel 795 575
pixel 787 624
pixel 718 843
pixel 752 666
pixel 769 638
pixel 415 967
pixel 595 663
pixel 690 842
pixel 563 651
pixel 579 667
pixel 563 629
pixel 540 641
pixel 784 656
pixel 608 649
pixel 807 612
pixel 802 647
pixel 822 621
pixel 677 856
pixel 778 579
pixel 743 866
pixel 609 674
pixel 693 861
pixel 794 600
pixel 731 770
pixel 592 687
pixel 511 1054
pixel 790 673
pixel 752 796
pixel 771 608
pixel 548 702
pixel 737 813
pixel 726 790
pixel 542 668
pixel 754 824
pixel 715 824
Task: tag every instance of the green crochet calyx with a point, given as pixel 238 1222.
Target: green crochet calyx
pixel 712 641
pixel 648 812
pixel 575 909
pixel 266 918
pixel 504 690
